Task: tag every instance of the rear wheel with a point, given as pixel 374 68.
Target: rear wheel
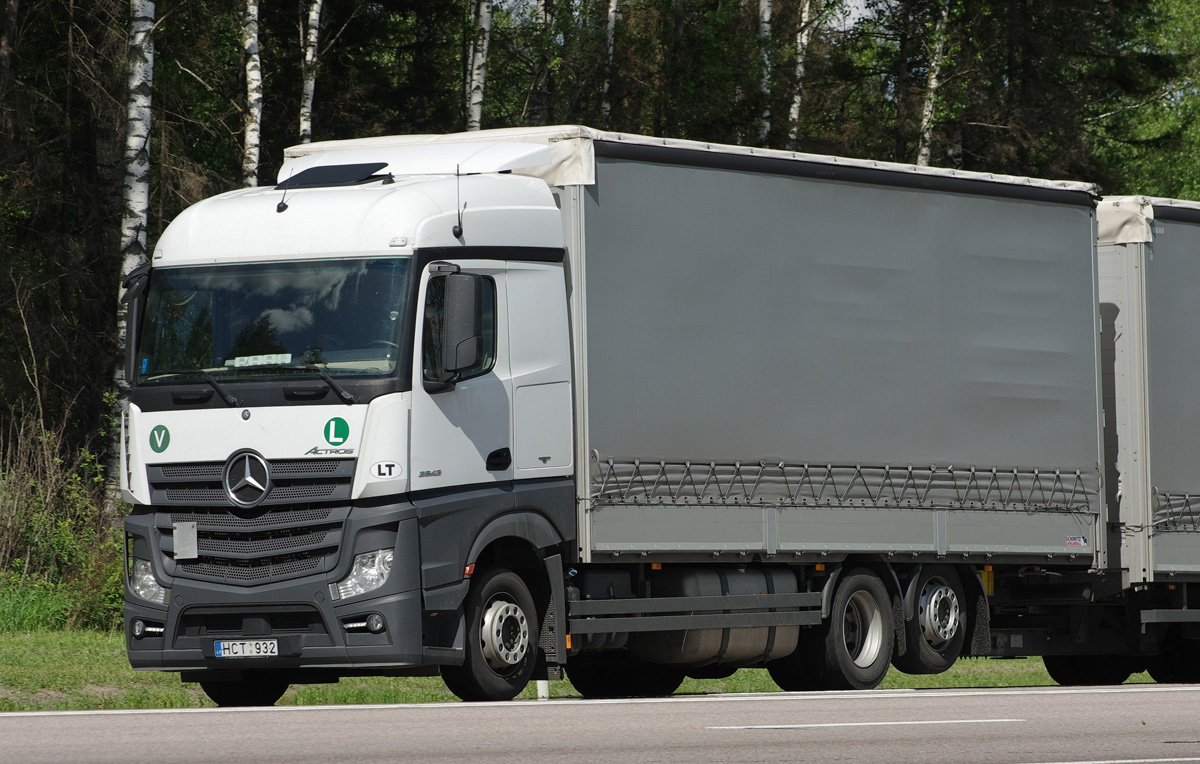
pixel 933 637
pixel 619 675
pixel 501 646
pixel 1085 670
pixel 1179 664
pixel 253 690
pixel 857 638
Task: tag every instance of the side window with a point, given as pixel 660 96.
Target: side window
pixel 431 341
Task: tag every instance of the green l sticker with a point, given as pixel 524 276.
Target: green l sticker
pixel 160 438
pixel 337 431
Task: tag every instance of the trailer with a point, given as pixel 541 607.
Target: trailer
pixel 1149 258
pixel 504 403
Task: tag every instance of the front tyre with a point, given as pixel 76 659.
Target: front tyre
pixel 857 637
pixel 934 636
pixel 501 648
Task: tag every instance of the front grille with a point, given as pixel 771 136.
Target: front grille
pixel 251 571
pixel 240 544
pixel 199 483
pixel 202 471
pixel 307 467
pixel 219 519
pixel 283 542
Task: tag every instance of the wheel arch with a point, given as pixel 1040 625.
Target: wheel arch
pixel 529 545
pixel 516 540
pixel 883 569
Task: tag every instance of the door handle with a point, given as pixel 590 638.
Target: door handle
pixel 499 460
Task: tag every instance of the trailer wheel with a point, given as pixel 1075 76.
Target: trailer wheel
pixel 933 637
pixel 1086 670
pixel 857 637
pixel 501 639
pixel 1177 665
pixel 253 690
pixel 619 675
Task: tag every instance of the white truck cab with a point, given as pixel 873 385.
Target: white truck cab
pixel 319 368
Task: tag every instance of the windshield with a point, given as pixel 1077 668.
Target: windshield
pixel 237 322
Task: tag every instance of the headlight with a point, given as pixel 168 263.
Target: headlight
pixel 368 573
pixel 144 585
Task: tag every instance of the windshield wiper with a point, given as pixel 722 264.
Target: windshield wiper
pixel 221 391
pixel 342 393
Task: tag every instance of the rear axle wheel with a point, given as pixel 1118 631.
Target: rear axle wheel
pixel 856 640
pixel 933 637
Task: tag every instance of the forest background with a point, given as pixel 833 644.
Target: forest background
pixel 117 114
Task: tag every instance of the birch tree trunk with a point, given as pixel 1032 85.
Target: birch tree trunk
pixel 312 37
pixel 803 36
pixel 137 142
pixel 936 57
pixel 135 196
pixel 539 104
pixel 478 74
pixel 252 121
pixel 610 41
pixel 764 50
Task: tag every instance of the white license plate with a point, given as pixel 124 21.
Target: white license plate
pixel 248 648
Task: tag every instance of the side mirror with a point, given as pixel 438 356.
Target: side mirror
pixel 135 283
pixel 462 332
pixel 135 286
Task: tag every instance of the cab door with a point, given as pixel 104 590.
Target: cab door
pixel 461 432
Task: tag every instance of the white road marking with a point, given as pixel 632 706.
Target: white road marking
pixel 862 724
pixel 1123 761
pixel 822 697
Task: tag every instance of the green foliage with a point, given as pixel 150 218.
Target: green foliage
pixel 60 562
pixel 1151 145
pixel 32 606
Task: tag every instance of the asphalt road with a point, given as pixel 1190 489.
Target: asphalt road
pixel 1138 723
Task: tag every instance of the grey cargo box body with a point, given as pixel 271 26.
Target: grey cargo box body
pixel 1150 265
pixel 781 357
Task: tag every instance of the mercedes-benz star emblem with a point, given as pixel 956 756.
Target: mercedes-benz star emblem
pixel 247 479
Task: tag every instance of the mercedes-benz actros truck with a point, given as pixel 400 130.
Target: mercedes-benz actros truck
pixel 510 402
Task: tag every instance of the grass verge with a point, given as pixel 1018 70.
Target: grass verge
pixel 77 670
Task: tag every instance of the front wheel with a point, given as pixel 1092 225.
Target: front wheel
pixel 501 646
pixel 857 638
pixel 933 637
